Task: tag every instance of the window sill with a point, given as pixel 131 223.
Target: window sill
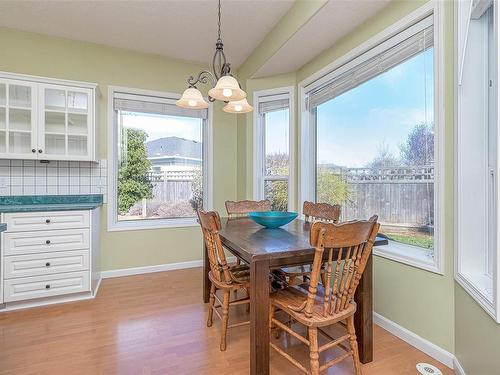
pixel 408 254
pixel 480 288
pixel 147 224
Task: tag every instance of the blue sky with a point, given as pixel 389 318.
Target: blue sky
pixel 379 112
pixel 157 126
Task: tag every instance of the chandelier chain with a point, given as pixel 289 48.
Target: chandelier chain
pixel 218 34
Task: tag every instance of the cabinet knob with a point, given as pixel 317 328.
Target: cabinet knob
pixel 47 286
pixel 47 242
pixel 33 150
pixel 40 151
pixel 47 264
pixel 47 221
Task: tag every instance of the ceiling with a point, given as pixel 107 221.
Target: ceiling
pixel 182 29
pixel 333 21
pixel 187 29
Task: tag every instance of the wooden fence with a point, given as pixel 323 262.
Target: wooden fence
pixel 402 196
pixel 171 186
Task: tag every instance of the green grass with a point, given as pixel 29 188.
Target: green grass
pixel 414 238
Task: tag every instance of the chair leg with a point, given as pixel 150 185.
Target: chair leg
pixel 248 295
pixel 313 350
pixel 354 344
pixel 225 318
pixel 211 305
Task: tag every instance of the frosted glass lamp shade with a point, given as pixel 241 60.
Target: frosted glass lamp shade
pixel 239 106
pixel 192 99
pixel 227 89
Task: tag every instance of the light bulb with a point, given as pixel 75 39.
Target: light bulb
pixel 192 103
pixel 227 92
pixel 238 107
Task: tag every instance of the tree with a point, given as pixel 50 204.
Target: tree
pixel 133 183
pixel 277 164
pixel 332 188
pixel 383 158
pixel 197 190
pixel 419 146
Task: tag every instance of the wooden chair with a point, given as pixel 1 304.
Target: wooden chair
pixel 348 246
pixel 312 211
pixel 237 209
pixel 242 208
pixel 222 277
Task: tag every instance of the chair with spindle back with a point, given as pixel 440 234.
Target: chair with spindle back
pixel 348 246
pixel 222 276
pixel 329 213
pixel 243 208
pixel 236 209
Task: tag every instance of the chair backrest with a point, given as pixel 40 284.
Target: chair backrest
pixel 349 246
pixel 321 211
pixel 242 208
pixel 210 226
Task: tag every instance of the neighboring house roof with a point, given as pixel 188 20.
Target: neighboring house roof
pixel 174 146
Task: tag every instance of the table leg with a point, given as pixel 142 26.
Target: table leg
pixel 363 320
pixel 259 317
pixel 206 280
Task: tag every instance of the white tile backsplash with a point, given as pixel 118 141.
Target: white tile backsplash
pixel 28 177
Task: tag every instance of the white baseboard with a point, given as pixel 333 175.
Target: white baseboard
pixel 150 269
pixel 459 370
pixel 432 350
pixel 156 268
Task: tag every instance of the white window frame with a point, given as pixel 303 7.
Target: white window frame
pixel 483 288
pixel 361 53
pixel 259 177
pixel 113 223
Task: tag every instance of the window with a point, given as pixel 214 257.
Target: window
pixel 371 141
pixel 476 154
pixel 158 161
pixel 272 140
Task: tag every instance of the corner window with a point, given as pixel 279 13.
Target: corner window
pixel 476 155
pixel 272 144
pixel 373 143
pixel 159 162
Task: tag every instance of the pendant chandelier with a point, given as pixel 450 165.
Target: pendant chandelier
pixel 224 86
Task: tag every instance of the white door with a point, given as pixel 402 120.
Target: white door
pixel 65 131
pixel 18 135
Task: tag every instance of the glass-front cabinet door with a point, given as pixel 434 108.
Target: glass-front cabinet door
pixel 66 128
pixel 18 120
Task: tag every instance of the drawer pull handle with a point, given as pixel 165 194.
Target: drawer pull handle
pixel 47 264
pixel 47 286
pixel 47 242
pixel 47 221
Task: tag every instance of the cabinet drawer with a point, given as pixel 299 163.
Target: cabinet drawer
pixel 46 263
pixel 29 221
pixel 46 286
pixel 19 243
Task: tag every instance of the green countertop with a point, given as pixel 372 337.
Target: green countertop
pixel 36 203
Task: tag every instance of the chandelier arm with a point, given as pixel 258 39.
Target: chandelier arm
pixel 203 77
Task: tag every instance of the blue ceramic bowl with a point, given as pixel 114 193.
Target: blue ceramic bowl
pixel 272 219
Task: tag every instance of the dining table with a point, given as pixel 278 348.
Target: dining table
pixel 267 249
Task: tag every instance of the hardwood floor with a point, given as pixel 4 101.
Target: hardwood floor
pixel 156 324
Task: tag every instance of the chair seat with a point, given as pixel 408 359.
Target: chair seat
pixel 303 269
pixel 241 278
pixel 292 297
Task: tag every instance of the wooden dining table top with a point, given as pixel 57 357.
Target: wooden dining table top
pixel 250 240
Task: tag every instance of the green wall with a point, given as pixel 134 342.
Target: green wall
pixel 477 336
pixel 60 58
